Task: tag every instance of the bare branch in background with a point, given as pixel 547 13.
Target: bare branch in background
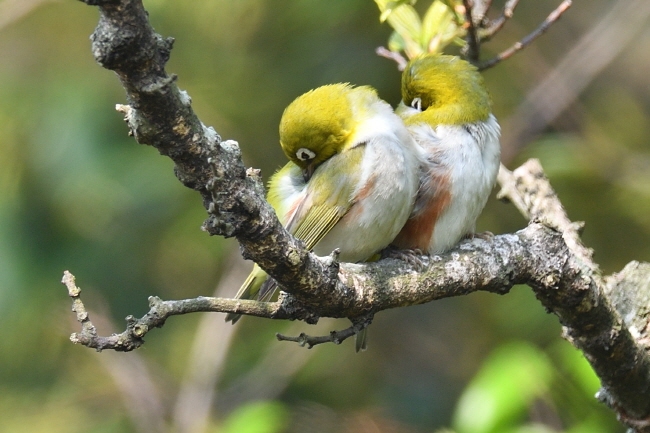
pixel 472 48
pixel 520 45
pixel 591 54
pixel 392 55
pixel 495 26
pixel 479 29
pixel 480 9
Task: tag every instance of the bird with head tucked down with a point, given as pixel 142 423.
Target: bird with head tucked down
pixel 351 181
pixel 447 110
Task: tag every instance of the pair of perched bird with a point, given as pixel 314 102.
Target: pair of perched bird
pixel 362 177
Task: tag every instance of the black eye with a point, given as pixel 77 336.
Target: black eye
pixel 304 154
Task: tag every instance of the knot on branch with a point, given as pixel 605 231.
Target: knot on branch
pixel 332 264
pixel 296 309
pixel 165 46
pixel 238 204
pixel 114 45
pixel 124 39
pixel 159 85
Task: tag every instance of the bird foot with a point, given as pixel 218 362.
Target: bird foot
pixel 413 257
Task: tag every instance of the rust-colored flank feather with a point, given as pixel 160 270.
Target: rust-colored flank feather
pixel 417 233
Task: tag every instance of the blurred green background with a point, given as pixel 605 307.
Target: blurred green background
pixel 77 193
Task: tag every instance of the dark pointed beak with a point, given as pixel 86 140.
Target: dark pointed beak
pixel 308 172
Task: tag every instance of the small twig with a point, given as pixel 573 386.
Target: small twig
pixel 392 55
pixel 609 36
pixel 497 24
pixel 472 47
pixel 336 337
pixel 87 327
pixel 518 46
pixel 160 311
pixel 530 191
pixel 508 192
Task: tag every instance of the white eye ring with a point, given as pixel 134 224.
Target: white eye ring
pixel 305 154
pixel 417 104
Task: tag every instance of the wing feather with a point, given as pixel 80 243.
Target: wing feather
pixel 310 210
pixel 330 194
pixel 317 223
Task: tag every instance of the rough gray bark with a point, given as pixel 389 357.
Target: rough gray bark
pixel 607 319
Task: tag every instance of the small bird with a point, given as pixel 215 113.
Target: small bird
pixel 351 181
pixel 447 109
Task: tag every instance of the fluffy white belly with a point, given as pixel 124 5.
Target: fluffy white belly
pixel 470 156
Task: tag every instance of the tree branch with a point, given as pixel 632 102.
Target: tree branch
pixel 336 337
pixel 609 36
pixel 591 322
pixel 392 55
pixel 536 255
pixel 480 9
pixel 547 255
pixel 531 192
pixel 472 47
pixel 160 115
pixel 495 26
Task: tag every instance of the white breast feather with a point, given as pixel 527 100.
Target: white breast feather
pixel 391 162
pixel 471 156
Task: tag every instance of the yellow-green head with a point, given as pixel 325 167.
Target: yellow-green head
pixel 319 124
pixel 446 89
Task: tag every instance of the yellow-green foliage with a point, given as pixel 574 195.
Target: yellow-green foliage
pixel 440 26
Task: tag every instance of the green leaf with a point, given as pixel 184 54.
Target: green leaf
pixel 503 389
pixel 396 43
pixel 440 27
pixel 386 7
pixel 405 21
pixel 257 417
pixel 575 364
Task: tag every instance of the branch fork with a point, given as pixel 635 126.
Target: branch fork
pixel 549 257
